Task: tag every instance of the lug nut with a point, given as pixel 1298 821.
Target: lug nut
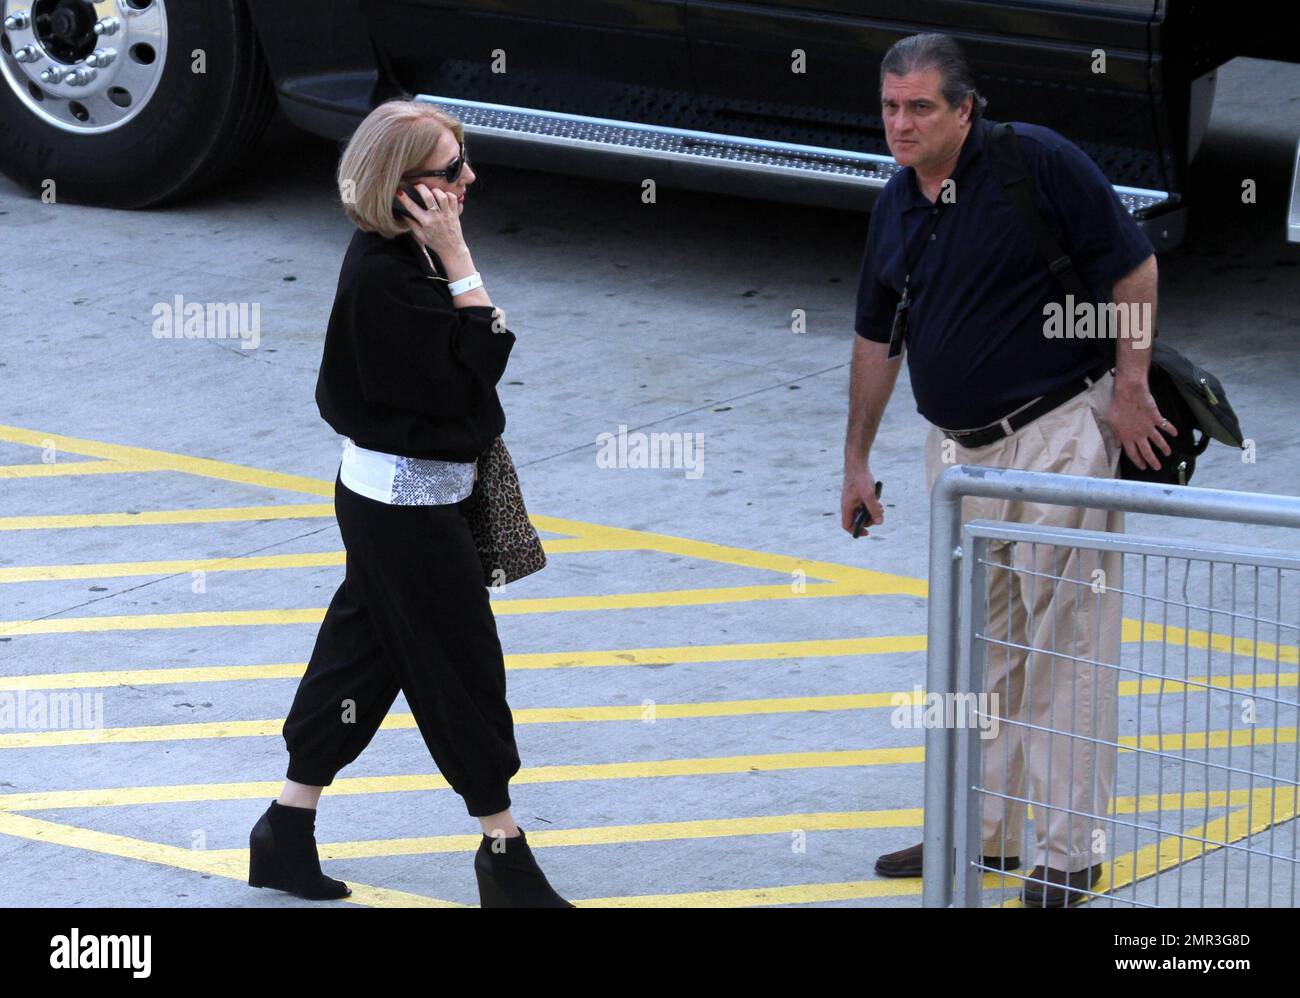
pixel 17 21
pixel 28 53
pixel 101 57
pixel 80 76
pixel 54 74
pixel 108 26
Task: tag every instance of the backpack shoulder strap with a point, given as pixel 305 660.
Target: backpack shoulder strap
pixel 1009 168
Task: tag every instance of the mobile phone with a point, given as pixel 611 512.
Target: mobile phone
pixel 860 514
pixel 399 210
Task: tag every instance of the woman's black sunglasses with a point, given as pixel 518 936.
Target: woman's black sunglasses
pixel 451 173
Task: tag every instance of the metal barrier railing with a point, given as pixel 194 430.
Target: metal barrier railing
pixel 1172 773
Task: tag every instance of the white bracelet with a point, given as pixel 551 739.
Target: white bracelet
pixel 465 284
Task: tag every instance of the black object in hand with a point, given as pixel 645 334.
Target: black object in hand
pixel 860 516
pixel 399 210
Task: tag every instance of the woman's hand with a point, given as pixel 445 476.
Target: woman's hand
pixel 437 226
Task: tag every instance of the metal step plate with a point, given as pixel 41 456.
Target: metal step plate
pixel 836 168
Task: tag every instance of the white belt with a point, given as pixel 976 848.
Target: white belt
pixel 405 481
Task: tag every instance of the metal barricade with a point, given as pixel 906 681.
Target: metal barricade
pixel 1135 698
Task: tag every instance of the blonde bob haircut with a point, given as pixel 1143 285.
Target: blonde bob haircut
pixel 394 138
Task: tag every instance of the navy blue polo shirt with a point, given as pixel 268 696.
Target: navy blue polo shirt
pixel 976 349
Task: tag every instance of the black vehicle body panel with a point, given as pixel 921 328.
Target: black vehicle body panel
pixel 723 66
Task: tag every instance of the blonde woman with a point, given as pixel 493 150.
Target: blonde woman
pixel 412 357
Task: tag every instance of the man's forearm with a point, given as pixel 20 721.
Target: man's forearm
pixel 871 382
pixel 1135 295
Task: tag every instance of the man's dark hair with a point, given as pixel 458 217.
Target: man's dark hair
pixel 932 50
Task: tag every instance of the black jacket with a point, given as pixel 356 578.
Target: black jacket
pixel 403 370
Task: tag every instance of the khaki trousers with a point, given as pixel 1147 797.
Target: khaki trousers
pixel 1063 704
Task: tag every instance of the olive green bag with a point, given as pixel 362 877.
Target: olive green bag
pixel 1190 397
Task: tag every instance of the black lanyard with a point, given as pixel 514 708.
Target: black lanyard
pixel 910 259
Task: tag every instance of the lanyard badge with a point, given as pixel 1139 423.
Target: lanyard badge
pixel 898 332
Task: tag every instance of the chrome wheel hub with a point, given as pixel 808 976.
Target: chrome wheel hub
pixel 83 66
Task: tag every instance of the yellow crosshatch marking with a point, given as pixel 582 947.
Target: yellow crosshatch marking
pixel 617 657
pixel 502 607
pixel 561 536
pixel 60 469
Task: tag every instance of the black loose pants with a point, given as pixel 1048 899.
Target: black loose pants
pixel 411 614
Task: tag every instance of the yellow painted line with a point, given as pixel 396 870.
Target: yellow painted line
pixel 831 647
pixel 670 831
pixel 107 570
pixel 660 831
pixel 159 460
pixel 707 828
pixel 1195 800
pixel 876 582
pixel 706 766
pixel 709 596
pixel 163 517
pixel 230 864
pixel 738 652
pixel 161 621
pixel 59 469
pixel 314 615
pixel 238 563
pixel 1242 737
pixel 1241 681
pixel 404 721
pixel 233 865
pixel 582 536
pixel 418 782
pixel 754 896
pixel 675 597
pixel 614 601
pixel 680 654
pixel 266 727
pixel 152 677
pixel 225 471
pixel 585 536
pixel 1266 807
pixel 1201 640
pixel 605 537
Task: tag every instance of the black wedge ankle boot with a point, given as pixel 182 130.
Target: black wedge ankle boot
pixel 282 855
pixel 511 878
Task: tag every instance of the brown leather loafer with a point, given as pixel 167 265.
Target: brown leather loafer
pixel 1057 892
pixel 907 862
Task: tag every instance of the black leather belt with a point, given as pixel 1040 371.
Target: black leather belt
pixel 1007 425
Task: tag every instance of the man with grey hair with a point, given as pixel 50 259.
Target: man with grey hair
pixel 952 276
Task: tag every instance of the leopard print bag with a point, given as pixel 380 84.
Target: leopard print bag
pixel 508 545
